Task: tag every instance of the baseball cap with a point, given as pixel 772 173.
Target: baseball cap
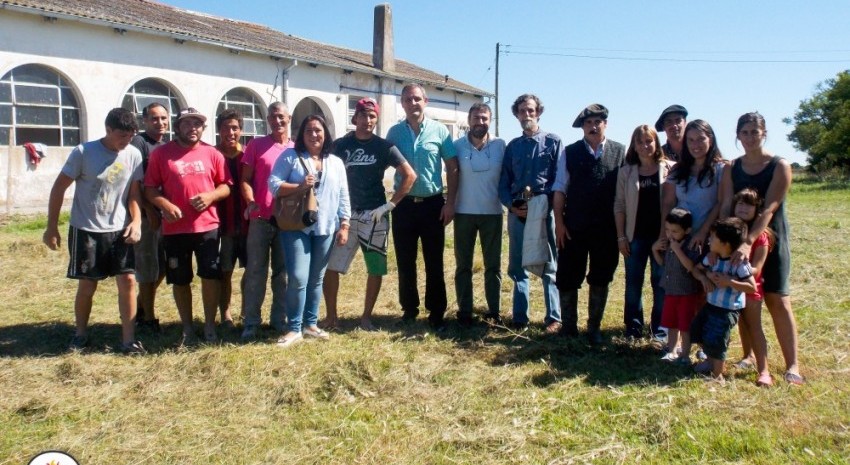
pixel 190 113
pixel 366 103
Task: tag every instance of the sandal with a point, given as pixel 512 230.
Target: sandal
pixel 745 365
pixel 316 333
pixel 764 380
pixel 289 339
pixel 794 379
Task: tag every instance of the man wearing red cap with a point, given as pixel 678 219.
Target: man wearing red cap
pixel 366 158
pixel 184 180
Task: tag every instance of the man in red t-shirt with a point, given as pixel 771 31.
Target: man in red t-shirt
pixel 184 180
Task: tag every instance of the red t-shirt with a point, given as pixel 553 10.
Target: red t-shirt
pixel 761 241
pixel 182 173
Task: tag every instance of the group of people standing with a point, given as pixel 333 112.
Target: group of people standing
pixel 572 210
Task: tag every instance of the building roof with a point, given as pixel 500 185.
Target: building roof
pixel 157 18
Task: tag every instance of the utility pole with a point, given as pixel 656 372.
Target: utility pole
pixel 497 89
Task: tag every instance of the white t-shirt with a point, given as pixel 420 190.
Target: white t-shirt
pixel 478 182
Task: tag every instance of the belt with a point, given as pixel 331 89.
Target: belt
pixel 421 199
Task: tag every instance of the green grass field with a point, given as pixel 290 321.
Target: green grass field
pixel 404 396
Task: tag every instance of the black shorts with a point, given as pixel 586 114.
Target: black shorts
pixel 178 255
pixel 98 255
pixel 234 249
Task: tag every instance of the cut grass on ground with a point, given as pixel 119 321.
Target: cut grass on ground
pixel 404 396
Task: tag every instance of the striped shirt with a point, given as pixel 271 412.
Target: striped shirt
pixel 727 297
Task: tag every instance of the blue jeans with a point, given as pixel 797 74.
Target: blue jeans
pixel 641 252
pixel 262 241
pixel 516 233
pixel 307 258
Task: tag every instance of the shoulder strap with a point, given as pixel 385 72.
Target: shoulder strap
pixel 303 163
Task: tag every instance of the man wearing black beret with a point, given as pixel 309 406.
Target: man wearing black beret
pixel 584 220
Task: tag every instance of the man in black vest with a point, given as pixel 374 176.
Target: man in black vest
pixel 584 220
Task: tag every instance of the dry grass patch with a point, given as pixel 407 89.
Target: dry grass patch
pixel 404 396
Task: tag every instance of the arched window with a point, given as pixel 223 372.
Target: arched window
pixel 147 91
pixel 38 105
pixel 246 102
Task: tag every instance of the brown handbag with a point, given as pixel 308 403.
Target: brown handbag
pixel 296 211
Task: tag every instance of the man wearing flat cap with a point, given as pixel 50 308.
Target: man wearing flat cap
pixel 366 157
pixel 184 180
pixel 673 121
pixel 584 220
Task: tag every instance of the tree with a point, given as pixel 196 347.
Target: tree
pixel 822 125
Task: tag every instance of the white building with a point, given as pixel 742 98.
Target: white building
pixel 65 63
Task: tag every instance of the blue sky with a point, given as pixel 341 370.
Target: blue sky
pixel 719 59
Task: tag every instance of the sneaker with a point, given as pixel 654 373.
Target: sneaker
pixel 289 339
pixel 660 337
pixel 701 355
pixel 133 348
pixel 703 367
pixel 249 333
pixel 316 333
pixel 78 343
pixel 553 328
pixel 670 357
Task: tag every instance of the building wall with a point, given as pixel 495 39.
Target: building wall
pixel 102 65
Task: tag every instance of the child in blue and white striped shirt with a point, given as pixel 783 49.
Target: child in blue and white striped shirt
pixel 726 289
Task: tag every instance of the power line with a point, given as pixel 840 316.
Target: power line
pixel 689 52
pixel 677 60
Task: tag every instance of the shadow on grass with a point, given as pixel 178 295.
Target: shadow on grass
pixel 50 339
pixel 617 362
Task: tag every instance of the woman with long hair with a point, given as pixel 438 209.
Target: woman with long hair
pixel 637 215
pixel 693 184
pixel 770 176
pixel 309 165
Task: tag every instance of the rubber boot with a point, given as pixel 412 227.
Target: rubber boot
pixel 569 312
pixel 595 310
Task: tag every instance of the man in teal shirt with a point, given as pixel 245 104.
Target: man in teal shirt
pixel 424 213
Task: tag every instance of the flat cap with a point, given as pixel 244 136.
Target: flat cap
pixel 659 125
pixel 595 109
